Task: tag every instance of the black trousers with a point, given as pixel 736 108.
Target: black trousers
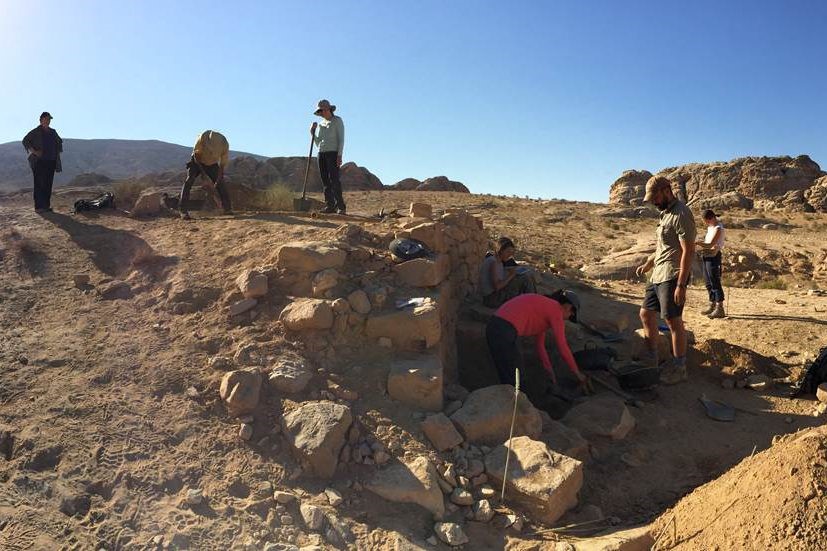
pixel 211 171
pixel 503 343
pixel 44 177
pixel 329 170
pixel 712 276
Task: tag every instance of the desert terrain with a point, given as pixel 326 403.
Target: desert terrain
pixel 116 333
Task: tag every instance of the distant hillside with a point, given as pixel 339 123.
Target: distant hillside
pixel 117 159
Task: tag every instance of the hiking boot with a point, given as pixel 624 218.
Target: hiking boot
pixel 328 210
pixel 717 312
pixel 708 310
pixel 341 211
pixel 185 215
pixel 673 374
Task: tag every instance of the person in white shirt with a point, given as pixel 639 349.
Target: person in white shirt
pixel 710 249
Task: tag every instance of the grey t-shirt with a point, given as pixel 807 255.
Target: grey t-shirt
pixel 486 283
pixel 676 224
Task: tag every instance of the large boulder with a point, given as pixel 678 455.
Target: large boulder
pixel 309 256
pixel 148 203
pixel 423 272
pixel 290 374
pixel 252 283
pixel 307 314
pixel 409 328
pixel 441 432
pixel 359 302
pixel 603 415
pixel 629 188
pixel 413 482
pixel 485 417
pixel 565 440
pixel 316 432
pixel 724 201
pixel 543 482
pixel 417 382
pixel 240 390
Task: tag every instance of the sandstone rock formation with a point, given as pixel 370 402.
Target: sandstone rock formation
pixel 437 183
pixel 289 171
pixel 730 184
pixel 544 482
pixel 817 195
pixel 485 417
pixel 316 433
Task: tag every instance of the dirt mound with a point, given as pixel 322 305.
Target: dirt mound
pixel 736 361
pixel 773 500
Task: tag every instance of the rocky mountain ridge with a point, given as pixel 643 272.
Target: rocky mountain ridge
pixel 790 183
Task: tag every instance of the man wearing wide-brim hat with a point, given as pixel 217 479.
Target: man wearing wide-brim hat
pixel 671 269
pixel 44 146
pixel 331 142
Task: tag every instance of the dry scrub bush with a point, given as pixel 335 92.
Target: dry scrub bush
pixel 275 197
pixel 776 283
pixel 128 191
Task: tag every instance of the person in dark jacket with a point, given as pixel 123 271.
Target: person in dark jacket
pixel 44 146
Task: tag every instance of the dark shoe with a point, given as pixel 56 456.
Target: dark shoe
pixel 228 213
pixel 673 374
pixel 717 312
pixel 328 210
pixel 341 211
pixel 185 215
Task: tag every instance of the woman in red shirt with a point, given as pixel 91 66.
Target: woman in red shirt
pixel 531 315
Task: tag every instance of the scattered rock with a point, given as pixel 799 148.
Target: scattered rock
pixel 283 497
pixel 195 496
pixel 359 301
pixel 316 433
pixel 485 417
pixel 759 382
pixel 412 482
pixel 241 306
pixel 115 290
pixel 312 516
pixel 441 432
pixel 333 497
pixel 324 281
pixel 245 431
pixel 307 313
pixel 601 416
pixel 483 511
pixel 450 533
pixel 240 391
pixel 290 374
pixel 420 210
pixel 543 482
pixel 252 284
pixel 461 496
pixel 821 392
pixel 81 280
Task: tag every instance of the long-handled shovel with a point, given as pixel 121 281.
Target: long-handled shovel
pixel 302 204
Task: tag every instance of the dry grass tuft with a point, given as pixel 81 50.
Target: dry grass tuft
pixel 128 191
pixel 275 197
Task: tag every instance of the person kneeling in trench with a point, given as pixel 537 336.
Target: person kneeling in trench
pixel 501 278
pixel 531 315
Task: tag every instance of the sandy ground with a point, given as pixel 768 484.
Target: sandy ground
pixel 100 394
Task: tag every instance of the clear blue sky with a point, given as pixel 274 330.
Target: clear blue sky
pixel 541 98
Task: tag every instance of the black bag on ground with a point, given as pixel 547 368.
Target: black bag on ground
pixel 407 249
pixel 591 359
pixel 815 375
pixel 105 201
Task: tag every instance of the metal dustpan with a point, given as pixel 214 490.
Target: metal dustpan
pixel 717 410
